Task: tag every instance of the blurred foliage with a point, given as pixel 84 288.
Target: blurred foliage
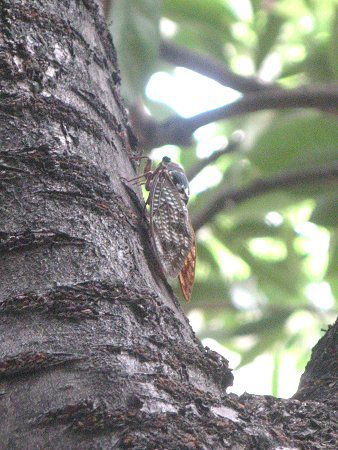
pixel 136 35
pixel 267 264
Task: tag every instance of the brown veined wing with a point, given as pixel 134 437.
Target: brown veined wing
pixel 186 277
pixel 170 226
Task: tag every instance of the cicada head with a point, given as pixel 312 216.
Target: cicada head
pixel 178 177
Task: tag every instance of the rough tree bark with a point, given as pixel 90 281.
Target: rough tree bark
pixel 95 351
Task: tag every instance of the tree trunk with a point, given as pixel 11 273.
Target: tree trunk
pixel 95 350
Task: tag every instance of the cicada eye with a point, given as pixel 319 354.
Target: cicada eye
pixel 181 182
pixel 166 160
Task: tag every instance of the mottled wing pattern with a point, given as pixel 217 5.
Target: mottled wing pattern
pixel 187 275
pixel 169 220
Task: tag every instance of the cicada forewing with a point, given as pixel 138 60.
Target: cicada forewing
pixel 186 277
pixel 170 226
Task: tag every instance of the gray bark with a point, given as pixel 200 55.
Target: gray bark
pixel 95 351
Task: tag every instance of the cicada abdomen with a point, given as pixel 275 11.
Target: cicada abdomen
pixel 171 230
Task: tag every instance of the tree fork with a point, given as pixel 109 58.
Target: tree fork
pixel 95 351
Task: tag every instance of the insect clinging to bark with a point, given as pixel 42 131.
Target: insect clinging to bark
pixel 171 230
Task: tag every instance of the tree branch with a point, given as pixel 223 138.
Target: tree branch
pixel 178 130
pixel 210 67
pixel 259 96
pixel 231 147
pixel 229 197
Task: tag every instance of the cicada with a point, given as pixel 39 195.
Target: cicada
pixel 171 230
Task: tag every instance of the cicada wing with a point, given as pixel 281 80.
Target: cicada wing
pixel 170 226
pixel 187 275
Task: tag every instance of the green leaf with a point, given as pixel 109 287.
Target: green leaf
pixel 216 14
pixel 326 211
pixel 204 25
pixel 135 30
pixel 188 158
pixel 212 290
pixel 272 320
pixel 333 46
pixel 281 282
pixel 279 278
pixel 333 280
pixel 318 65
pixel 201 37
pixel 258 207
pixel 256 5
pixel 206 256
pixel 265 342
pixel 333 257
pixel 252 228
pixel 275 373
pixel 296 141
pixel 267 39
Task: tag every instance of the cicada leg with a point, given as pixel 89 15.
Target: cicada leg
pixel 147 170
pixel 147 173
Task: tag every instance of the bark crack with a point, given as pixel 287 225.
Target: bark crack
pixel 28 239
pixel 33 362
